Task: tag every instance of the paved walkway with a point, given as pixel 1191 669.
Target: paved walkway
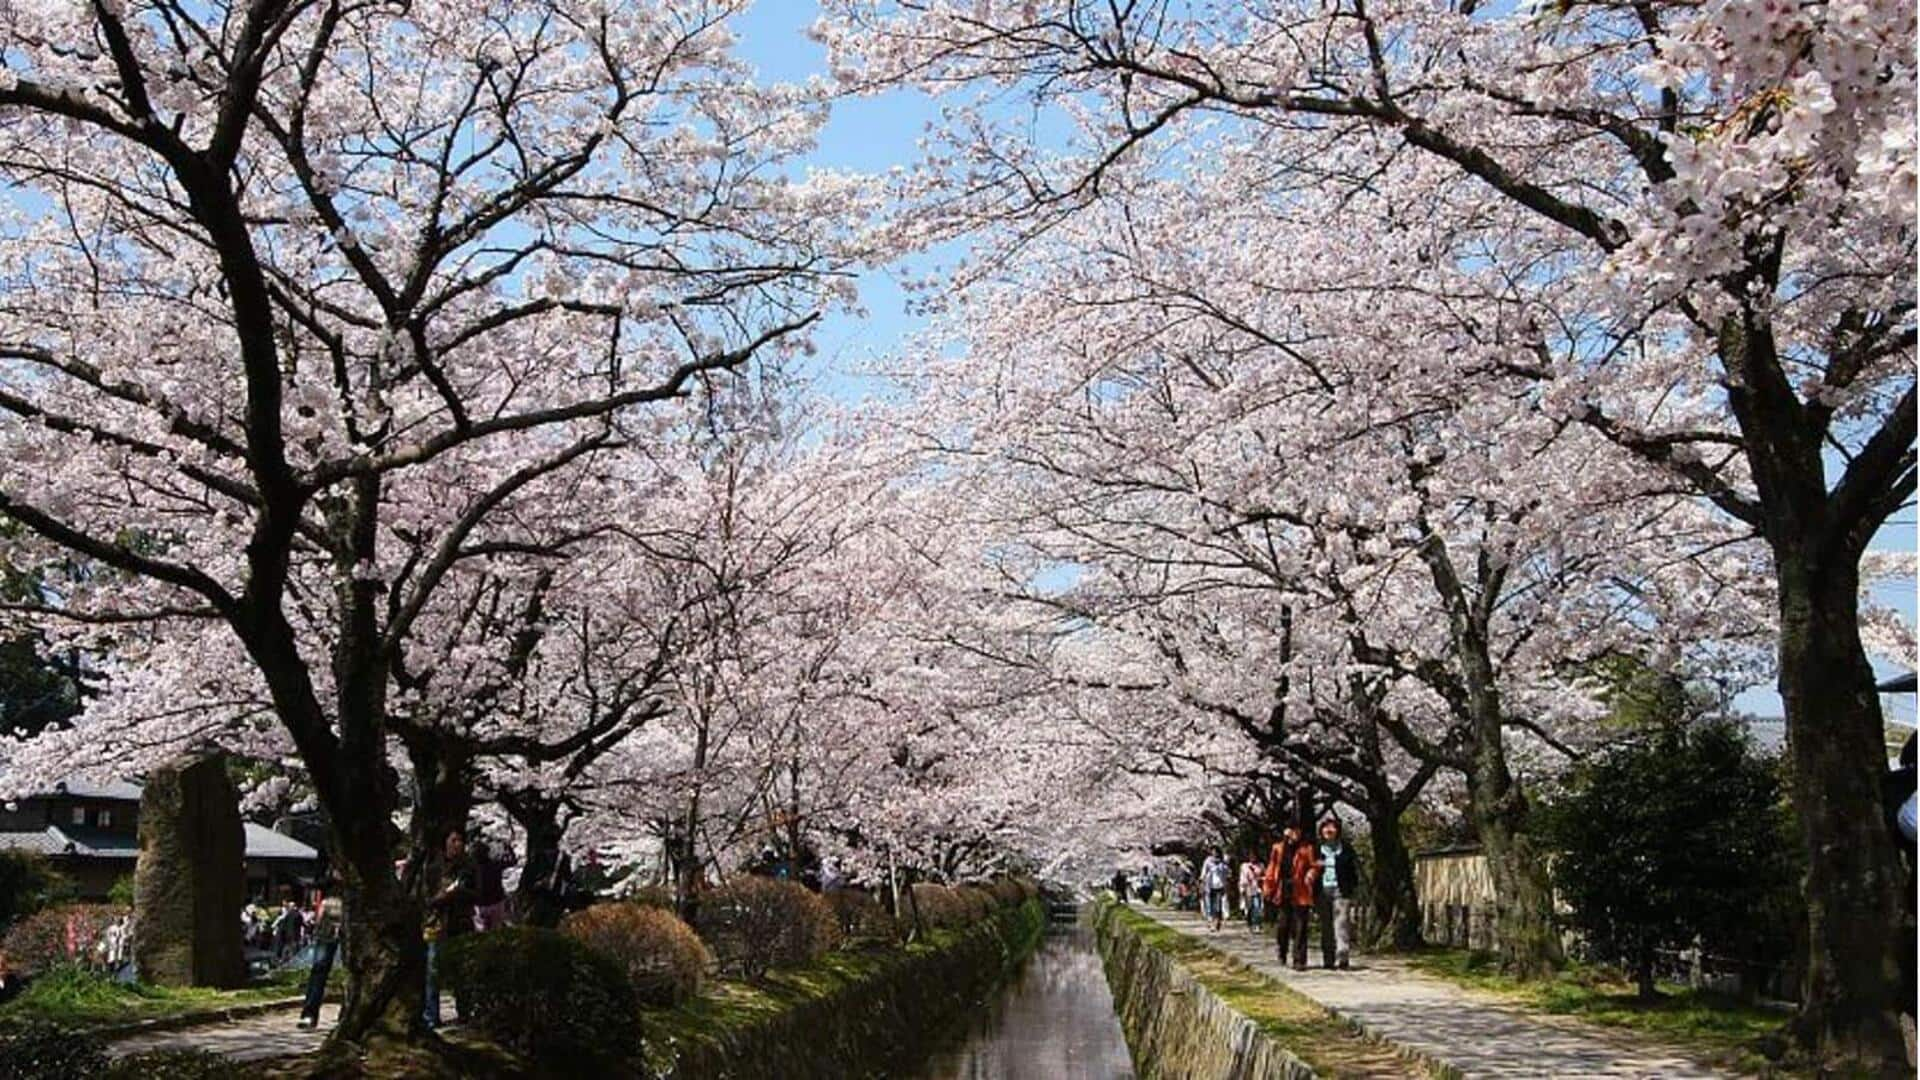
pixel 1477 1034
pixel 268 1035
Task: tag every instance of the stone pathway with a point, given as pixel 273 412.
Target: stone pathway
pixel 268 1035
pixel 1477 1034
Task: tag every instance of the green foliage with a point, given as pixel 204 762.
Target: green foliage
pixel 121 894
pixel 661 955
pixel 71 995
pixel 1711 1024
pixel 175 1065
pixel 546 995
pixel 40 1051
pixel 1679 833
pixel 753 924
pixel 28 883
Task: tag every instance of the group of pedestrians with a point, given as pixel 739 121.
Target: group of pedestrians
pixel 465 893
pixel 1302 879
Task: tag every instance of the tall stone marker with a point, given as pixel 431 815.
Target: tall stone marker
pixel 191 878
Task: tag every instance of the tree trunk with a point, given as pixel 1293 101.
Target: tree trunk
pixel 386 964
pixel 1850 1000
pixel 1528 942
pixel 1394 909
pixel 1643 974
pixel 534 900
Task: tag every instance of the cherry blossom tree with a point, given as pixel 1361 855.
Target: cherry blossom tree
pixel 1733 180
pixel 309 305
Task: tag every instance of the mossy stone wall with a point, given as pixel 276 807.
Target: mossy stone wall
pixel 1176 1028
pixel 858 1015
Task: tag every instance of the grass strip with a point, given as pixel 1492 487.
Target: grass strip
pixel 74 997
pixel 1331 1045
pixel 1715 1028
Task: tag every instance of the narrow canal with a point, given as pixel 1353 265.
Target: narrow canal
pixel 1053 1021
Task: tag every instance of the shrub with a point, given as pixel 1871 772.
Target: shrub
pixel 40 1051
pixel 28 883
pixel 58 935
pixel 756 923
pixel 861 918
pixel 544 994
pixel 1007 892
pixel 121 895
pixel 975 903
pixel 175 1065
pixel 939 906
pixel 661 955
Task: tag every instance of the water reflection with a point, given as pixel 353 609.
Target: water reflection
pixel 1055 1021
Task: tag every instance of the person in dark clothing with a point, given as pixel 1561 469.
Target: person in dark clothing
pixel 1334 889
pixel 1119 885
pixel 449 914
pixel 490 898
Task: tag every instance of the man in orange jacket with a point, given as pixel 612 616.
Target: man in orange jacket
pixel 1292 868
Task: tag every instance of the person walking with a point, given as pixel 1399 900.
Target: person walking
pixel 1119 885
pixel 1215 875
pixel 490 895
pixel 1291 869
pixel 1251 906
pixel 1335 887
pixel 329 926
pixel 449 914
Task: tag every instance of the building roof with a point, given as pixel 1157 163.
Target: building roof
pixel 47 841
pixel 87 843
pixel 264 843
pixel 118 790
pixel 98 843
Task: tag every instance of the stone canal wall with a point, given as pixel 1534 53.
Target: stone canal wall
pixel 1176 1028
pixel 859 1015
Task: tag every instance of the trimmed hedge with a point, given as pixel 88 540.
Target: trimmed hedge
pixel 661 955
pixel 874 1013
pixel 862 919
pixel 753 924
pixel 544 994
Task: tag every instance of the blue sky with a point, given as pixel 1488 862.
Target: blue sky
pixel 873 134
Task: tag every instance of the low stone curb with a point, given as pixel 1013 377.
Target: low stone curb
pixel 196 1019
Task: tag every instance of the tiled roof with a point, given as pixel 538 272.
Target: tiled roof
pixel 99 843
pixel 264 843
pixel 119 790
pixel 47 841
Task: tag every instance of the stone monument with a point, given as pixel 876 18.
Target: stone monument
pixel 190 882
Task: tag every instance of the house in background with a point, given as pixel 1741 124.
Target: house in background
pixel 91 834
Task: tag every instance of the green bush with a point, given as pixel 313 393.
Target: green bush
pixel 174 1065
pixel 38 1051
pixel 40 940
pixel 121 895
pixel 546 995
pixel 661 955
pixel 861 918
pixel 28 883
pixel 756 923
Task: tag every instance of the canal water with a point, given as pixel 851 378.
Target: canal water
pixel 1053 1021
